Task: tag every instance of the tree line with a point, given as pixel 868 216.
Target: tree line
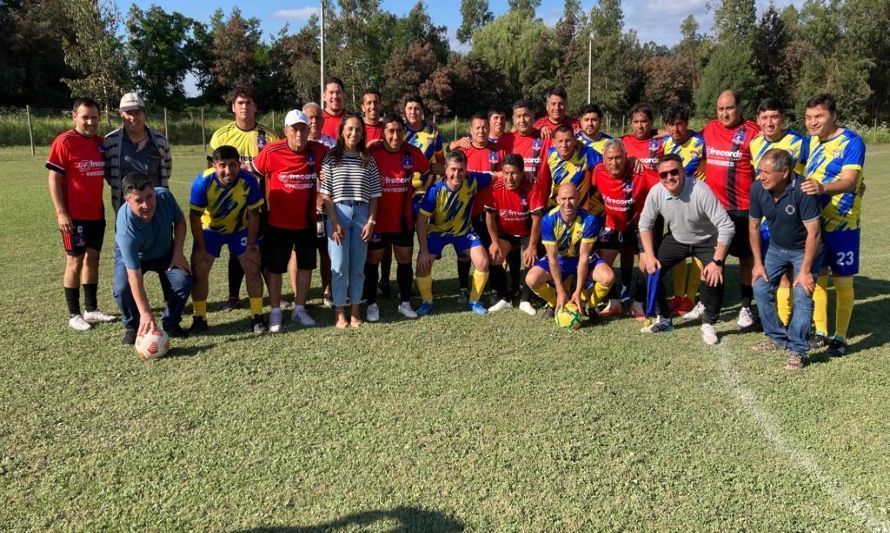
pixel 55 49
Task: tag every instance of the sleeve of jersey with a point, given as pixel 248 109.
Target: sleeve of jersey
pixel 754 210
pixel 254 196
pixel 260 163
pixel 198 196
pixel 483 179
pixel 428 204
pixel 548 236
pixel 487 199
pixel 810 208
pixel 536 201
pixel 58 155
pixel 174 207
pixel 591 229
pixel 421 165
pixel 854 154
pixel 438 142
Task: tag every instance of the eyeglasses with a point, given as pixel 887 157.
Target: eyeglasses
pixel 672 172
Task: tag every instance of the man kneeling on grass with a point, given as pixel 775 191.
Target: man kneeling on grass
pixel 795 244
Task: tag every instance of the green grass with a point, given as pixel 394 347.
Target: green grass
pixel 440 424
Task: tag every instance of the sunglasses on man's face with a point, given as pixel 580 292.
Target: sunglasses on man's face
pixel 672 172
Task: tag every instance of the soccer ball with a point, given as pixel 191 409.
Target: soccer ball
pixel 568 317
pixel 153 345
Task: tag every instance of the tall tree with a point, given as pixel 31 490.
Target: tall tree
pixel 236 45
pixel 527 7
pixel 566 39
pixel 418 27
pixel 771 40
pixel 474 14
pixel 694 48
pixel 407 70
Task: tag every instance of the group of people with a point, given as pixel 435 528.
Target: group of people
pixel 556 202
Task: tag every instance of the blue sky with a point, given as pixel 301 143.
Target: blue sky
pixel 654 20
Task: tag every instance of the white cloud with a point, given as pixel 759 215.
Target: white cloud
pixel 301 13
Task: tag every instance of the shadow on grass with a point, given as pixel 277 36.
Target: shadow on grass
pixel 187 351
pixel 409 519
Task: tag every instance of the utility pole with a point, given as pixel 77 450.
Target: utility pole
pixel 321 81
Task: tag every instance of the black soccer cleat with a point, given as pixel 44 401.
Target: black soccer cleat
pixel 837 347
pixel 199 325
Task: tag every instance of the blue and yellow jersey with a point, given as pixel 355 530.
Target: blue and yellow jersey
pixel 449 211
pixel 827 161
pixel 595 146
pixel 247 142
pixel 428 139
pixel 793 142
pixel 692 152
pixel 568 236
pixel 224 210
pixel 575 169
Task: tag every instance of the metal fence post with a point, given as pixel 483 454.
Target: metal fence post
pixel 203 133
pixel 30 129
pixel 165 125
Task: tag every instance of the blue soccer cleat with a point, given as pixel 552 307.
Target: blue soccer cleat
pixel 478 308
pixel 425 308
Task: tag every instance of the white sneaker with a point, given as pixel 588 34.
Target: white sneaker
pixel 302 316
pixel 527 308
pixel 500 306
pixel 695 313
pixel 406 311
pixel 709 334
pixel 78 323
pixel 373 313
pixel 275 320
pixel 746 318
pixel 98 316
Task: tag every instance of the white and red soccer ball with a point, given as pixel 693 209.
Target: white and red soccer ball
pixel 154 344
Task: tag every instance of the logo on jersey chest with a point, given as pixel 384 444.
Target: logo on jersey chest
pixel 653 144
pixel 790 209
pixel 407 162
pixel 261 139
pixel 493 157
pixel 310 158
pixel 739 136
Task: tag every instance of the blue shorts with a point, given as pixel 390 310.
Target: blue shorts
pixel 237 242
pixel 841 251
pixel 568 266
pixel 436 242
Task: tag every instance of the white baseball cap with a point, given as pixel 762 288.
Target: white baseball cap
pixel 295 116
pixel 131 102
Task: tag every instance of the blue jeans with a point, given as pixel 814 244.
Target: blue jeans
pixel 348 257
pixel 796 336
pixel 176 285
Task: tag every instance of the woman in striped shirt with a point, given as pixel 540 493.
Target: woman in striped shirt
pixel 350 190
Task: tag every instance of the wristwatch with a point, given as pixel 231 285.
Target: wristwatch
pixel 718 262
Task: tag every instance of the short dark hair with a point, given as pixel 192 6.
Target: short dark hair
pixel 825 100
pixel 591 108
pixel 735 96
pixel 242 92
pixel 780 158
pixel 522 103
pixel 333 79
pixel 84 101
pixel 392 117
pixel 493 112
pixel 225 153
pixel 559 91
pixel 479 116
pixel 456 156
pixel 676 113
pixel 370 90
pixel 514 160
pixel 770 104
pixel 135 181
pixel 413 98
pixel 671 157
pixel 646 109
pixel 564 128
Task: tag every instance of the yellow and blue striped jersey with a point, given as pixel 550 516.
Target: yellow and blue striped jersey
pixel 568 236
pixel 596 146
pixel 428 139
pixel 449 211
pixel 224 209
pixel 575 169
pixel 827 161
pixel 792 142
pixel 247 142
pixel 692 152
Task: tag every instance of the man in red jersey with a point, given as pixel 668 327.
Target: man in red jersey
pixel 397 162
pixel 291 168
pixel 729 173
pixel 497 125
pixel 642 142
pixel 333 106
pixel 624 192
pixel 76 176
pixel 371 109
pixel 508 205
pixel 557 103
pixel 482 156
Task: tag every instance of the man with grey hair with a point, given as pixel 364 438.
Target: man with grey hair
pixel 316 122
pixel 795 244
pixel 315 116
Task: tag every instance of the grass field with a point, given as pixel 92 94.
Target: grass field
pixel 446 423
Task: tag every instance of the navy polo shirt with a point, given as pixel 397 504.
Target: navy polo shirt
pixel 786 217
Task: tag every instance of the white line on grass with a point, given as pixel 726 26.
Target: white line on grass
pixel 773 433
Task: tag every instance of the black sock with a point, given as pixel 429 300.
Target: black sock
pixel 525 292
pixel 747 294
pixel 72 297
pixel 90 301
pixel 514 261
pixel 613 292
pixel 236 274
pixel 463 274
pixel 627 274
pixel 385 270
pixel 640 290
pixel 498 279
pixel 370 289
pixel 405 277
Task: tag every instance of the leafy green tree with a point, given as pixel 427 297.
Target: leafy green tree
pixel 474 14
pixel 771 40
pixel 418 27
pixel 236 45
pixel 407 70
pixel 527 7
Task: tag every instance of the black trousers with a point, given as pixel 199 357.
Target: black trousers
pixel 670 253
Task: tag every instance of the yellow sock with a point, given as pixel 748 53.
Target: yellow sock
pixel 820 305
pixel 783 303
pixel 547 293
pixel 843 292
pixel 199 308
pixel 256 305
pixel 600 292
pixel 425 286
pixel 679 274
pixel 694 279
pixel 479 279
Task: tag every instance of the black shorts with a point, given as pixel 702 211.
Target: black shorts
pixel 740 246
pixel 278 244
pixel 627 240
pixel 481 229
pixel 516 242
pixel 403 239
pixel 87 234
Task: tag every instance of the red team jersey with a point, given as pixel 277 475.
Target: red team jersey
pixel 513 208
pixel 532 148
pixel 80 160
pixel 566 121
pixel 373 133
pixel 647 151
pixel 486 159
pixel 331 124
pixel 623 198
pixel 394 207
pixel 291 183
pixel 728 168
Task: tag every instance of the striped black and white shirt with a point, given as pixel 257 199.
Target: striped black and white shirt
pixel 351 180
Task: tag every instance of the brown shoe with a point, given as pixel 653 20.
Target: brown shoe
pixel 795 361
pixel 766 346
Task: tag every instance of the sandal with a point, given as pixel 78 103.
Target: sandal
pixel 795 361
